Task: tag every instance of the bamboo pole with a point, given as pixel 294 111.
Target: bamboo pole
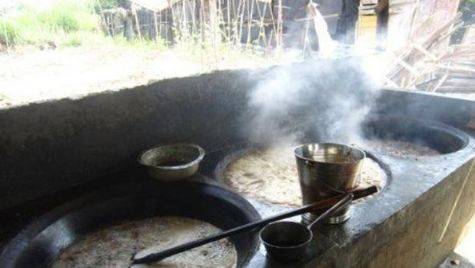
pixel 172 22
pixel 202 25
pixel 305 39
pixel 237 17
pixel 241 20
pixel 274 26
pixel 137 23
pixel 441 81
pixel 228 11
pixel 184 22
pixel 280 24
pixel 213 22
pixel 262 30
pixel 155 24
pixel 250 10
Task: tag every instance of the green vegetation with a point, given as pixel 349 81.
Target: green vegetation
pixel 8 33
pixel 27 25
pixel 74 23
pixel 67 23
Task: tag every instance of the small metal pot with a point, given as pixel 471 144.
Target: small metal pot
pixel 172 162
pixel 287 241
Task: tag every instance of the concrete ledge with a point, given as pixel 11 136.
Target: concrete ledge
pixel 53 146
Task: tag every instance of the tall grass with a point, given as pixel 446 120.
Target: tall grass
pixel 74 23
pixel 28 25
pixel 8 33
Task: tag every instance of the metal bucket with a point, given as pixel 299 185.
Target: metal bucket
pixel 326 170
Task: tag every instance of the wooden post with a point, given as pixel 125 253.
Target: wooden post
pixel 228 13
pixel 210 14
pixel 241 19
pixel 184 21
pixel 155 23
pixel 137 23
pixel 172 22
pixel 280 22
pixel 250 10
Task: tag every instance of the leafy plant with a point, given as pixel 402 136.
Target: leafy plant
pixel 29 25
pixel 68 16
pixel 9 33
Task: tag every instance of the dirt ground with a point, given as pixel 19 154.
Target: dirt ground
pixel 33 75
pixel 39 75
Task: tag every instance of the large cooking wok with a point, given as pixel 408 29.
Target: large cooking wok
pixel 41 242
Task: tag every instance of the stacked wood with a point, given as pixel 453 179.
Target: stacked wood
pixel 418 62
pixel 435 67
pixel 428 61
pixel 457 68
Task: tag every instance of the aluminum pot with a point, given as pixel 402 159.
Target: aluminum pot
pixel 173 161
pixel 326 170
pixel 287 241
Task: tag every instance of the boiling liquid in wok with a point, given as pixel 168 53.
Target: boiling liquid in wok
pixel 270 175
pixel 114 246
pixel 398 148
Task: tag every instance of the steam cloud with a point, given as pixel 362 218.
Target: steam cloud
pixel 324 100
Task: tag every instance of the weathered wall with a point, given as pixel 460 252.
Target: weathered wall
pixel 50 146
pixel 423 241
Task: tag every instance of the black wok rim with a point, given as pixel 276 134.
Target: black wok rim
pixel 14 249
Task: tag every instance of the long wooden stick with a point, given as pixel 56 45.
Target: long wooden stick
pixel 144 257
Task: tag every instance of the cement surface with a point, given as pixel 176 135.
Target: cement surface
pixel 54 147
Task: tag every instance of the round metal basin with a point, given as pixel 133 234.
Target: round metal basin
pixel 441 138
pixel 41 242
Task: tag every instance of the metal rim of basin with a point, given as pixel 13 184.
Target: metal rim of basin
pixel 42 240
pixel 439 136
pixel 196 160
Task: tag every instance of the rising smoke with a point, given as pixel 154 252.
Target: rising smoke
pixel 322 100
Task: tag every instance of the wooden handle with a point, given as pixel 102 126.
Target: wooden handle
pixel 342 203
pixel 144 257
